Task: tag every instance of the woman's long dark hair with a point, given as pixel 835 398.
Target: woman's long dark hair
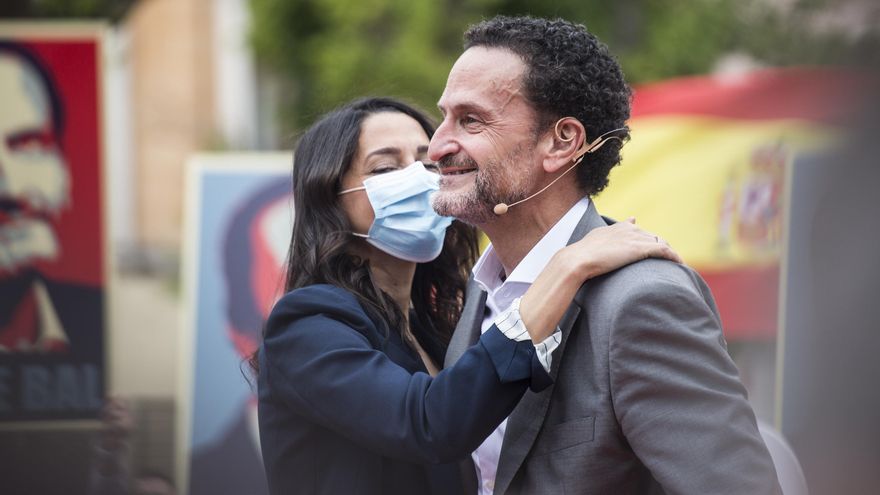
pixel 319 247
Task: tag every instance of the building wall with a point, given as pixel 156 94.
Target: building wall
pixel 173 109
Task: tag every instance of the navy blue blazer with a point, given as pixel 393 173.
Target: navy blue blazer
pixel 344 409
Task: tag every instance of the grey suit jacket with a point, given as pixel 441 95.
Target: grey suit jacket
pixel 646 398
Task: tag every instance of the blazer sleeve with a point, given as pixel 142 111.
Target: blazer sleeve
pixel 318 360
pixel 678 397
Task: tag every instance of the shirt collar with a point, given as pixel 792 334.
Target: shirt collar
pixel 488 270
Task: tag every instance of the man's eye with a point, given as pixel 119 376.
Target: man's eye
pixel 468 120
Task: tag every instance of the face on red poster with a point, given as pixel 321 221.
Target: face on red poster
pixel 51 224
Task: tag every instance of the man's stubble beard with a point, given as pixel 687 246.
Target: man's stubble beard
pixel 25 241
pixel 504 181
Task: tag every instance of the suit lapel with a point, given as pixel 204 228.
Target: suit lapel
pixel 467 332
pixel 588 222
pixel 526 421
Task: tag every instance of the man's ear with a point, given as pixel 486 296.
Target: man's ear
pixel 562 143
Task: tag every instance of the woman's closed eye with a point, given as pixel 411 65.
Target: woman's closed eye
pixel 383 169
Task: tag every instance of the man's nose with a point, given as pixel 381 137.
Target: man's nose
pixel 441 144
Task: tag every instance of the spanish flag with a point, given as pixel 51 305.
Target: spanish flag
pixel 706 166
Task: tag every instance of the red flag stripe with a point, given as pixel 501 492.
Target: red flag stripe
pixel 813 94
pixel 747 299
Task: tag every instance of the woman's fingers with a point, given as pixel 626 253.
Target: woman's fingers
pixel 642 242
pixel 666 252
pixel 608 248
pixel 661 249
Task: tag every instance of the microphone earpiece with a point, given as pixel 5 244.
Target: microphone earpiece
pixel 559 134
pixel 502 208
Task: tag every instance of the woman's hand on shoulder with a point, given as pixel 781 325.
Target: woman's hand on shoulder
pixel 605 249
pixel 602 250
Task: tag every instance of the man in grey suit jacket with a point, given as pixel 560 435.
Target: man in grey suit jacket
pixel 646 398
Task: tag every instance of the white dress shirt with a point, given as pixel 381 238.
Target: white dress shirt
pixel 489 274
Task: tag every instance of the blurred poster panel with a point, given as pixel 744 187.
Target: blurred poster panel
pixel 830 400
pixel 52 223
pixel 706 170
pixel 239 220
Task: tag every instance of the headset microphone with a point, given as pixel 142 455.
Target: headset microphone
pixel 501 208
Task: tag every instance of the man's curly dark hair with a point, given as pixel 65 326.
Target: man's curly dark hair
pixel 569 72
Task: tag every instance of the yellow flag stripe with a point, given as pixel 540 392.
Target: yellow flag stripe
pixel 710 185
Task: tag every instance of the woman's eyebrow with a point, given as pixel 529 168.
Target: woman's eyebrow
pixel 391 150
pixel 388 150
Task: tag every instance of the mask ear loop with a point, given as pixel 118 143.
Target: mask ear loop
pixel 353 189
pixel 501 208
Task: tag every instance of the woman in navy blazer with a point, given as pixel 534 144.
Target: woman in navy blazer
pixel 351 400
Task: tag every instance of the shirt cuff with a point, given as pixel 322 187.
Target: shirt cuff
pixel 511 325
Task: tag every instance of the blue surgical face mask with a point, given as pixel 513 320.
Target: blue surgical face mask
pixel 405 224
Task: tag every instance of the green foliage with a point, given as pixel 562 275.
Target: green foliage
pixel 653 39
pixel 783 39
pixel 112 9
pixel 330 51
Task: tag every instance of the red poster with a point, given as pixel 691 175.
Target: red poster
pixel 52 232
